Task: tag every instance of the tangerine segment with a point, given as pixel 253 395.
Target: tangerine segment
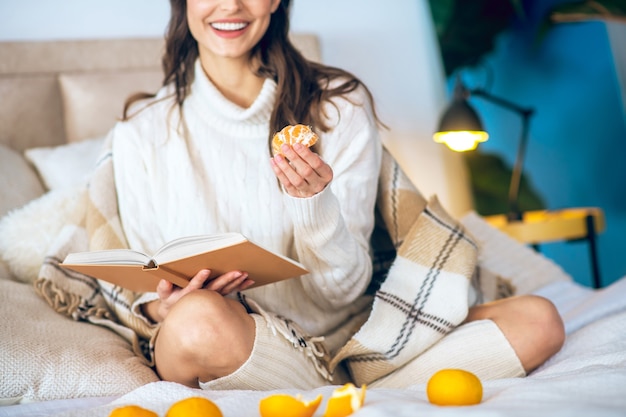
pixel 345 400
pixel 132 411
pixel 284 405
pixel 292 134
pixel 194 407
pixel 454 387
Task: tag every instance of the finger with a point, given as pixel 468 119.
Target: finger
pixel 296 162
pixel 314 161
pixel 308 171
pixel 288 168
pixel 198 280
pixel 245 284
pixel 234 285
pixel 226 280
pixel 280 166
pixel 164 289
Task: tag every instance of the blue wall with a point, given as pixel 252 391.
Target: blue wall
pixel 577 147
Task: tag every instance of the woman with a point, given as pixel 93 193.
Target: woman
pixel 195 160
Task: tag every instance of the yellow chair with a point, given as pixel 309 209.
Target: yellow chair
pixel 544 226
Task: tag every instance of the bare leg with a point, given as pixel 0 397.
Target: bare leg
pixel 205 336
pixel 530 323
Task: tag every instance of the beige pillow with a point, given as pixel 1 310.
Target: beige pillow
pixel 47 356
pixel 19 184
pixel 18 181
pixel 93 102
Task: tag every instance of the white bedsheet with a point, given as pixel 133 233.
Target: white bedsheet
pixel 586 378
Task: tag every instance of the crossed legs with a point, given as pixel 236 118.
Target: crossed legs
pixel 206 336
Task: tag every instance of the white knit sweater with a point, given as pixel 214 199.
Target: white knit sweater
pixel 219 179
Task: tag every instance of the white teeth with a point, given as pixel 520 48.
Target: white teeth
pixel 228 26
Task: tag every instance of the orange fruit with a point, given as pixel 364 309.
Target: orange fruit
pixel 345 401
pixel 284 405
pixel 454 387
pixel 132 411
pixel 292 134
pixel 194 407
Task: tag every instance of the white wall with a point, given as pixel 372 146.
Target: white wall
pixel 389 44
pixel 76 19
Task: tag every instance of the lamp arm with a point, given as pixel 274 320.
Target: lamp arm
pixel 500 101
pixel 516 175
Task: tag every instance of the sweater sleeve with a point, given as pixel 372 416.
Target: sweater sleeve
pixel 332 229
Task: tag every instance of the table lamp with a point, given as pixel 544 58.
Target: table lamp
pixel 461 129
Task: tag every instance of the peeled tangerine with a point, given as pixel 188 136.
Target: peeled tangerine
pixel 291 135
pixel 454 387
pixel 284 405
pixel 345 400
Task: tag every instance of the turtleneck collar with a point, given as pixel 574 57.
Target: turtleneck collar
pixel 218 110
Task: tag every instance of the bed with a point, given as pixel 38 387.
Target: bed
pixel 59 99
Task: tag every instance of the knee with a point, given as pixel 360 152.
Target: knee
pixel 544 322
pixel 531 324
pixel 207 334
pixel 204 319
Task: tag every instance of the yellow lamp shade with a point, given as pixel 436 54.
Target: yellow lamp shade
pixel 460 127
pixel 461 141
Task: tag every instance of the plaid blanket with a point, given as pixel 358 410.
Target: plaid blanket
pixel 427 274
pixel 425 293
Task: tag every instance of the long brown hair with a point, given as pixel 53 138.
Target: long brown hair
pixel 303 86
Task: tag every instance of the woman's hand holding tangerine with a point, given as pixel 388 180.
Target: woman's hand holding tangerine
pixel 301 171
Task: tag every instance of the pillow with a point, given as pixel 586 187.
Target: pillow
pixel 18 181
pixel 46 356
pixel 65 166
pixel 93 102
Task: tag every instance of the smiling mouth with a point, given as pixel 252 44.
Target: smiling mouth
pixel 229 26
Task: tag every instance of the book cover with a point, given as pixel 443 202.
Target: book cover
pixel 179 260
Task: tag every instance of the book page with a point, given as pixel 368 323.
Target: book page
pixel 190 245
pixel 108 257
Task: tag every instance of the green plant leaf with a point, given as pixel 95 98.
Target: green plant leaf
pixel 490 179
pixel 466 30
pixel 441 11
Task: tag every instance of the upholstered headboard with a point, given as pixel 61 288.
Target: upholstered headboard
pixel 54 92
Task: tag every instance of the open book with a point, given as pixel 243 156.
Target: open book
pixel 179 260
